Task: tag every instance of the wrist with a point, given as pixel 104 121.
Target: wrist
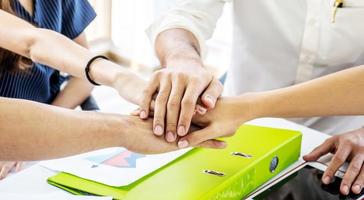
pixel 252 105
pixel 113 127
pixel 187 58
pixel 106 72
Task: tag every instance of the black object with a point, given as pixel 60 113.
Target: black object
pixel 87 69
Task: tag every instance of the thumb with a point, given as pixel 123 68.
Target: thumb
pixel 198 137
pixel 212 93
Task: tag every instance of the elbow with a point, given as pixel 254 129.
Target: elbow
pixel 36 44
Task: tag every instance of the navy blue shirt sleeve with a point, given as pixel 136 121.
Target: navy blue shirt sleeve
pixel 76 16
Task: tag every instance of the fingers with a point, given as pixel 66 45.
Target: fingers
pixel 198 137
pixel 5 169
pixel 160 107
pixel 200 109
pixel 147 96
pixel 188 108
pixel 18 166
pixel 212 93
pixel 173 109
pixel 351 173
pixel 213 144
pixel 321 150
pixel 339 158
pixel 359 182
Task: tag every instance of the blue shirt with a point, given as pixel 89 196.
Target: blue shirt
pixel 42 83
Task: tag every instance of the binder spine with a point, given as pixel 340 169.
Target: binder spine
pixel 258 173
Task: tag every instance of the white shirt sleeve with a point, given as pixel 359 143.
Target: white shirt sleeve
pixel 197 16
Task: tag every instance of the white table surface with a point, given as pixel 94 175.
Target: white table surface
pixel 32 181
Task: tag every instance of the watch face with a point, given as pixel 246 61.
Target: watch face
pixel 306 184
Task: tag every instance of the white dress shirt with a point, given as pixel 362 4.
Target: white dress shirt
pixel 278 43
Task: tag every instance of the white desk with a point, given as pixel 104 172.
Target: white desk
pixel 32 181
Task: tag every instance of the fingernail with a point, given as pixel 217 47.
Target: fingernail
pixel 143 114
pixel 201 110
pixel 182 144
pixel 181 131
pixel 158 130
pixel 356 189
pixel 326 180
pixel 170 137
pixel 210 100
pixel 345 189
pixel 221 145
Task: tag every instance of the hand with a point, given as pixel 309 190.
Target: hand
pixel 139 137
pixel 7 166
pixel 229 114
pixel 130 87
pixel 178 88
pixel 348 146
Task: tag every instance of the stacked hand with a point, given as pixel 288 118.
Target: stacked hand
pixel 177 91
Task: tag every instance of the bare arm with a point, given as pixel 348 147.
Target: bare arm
pixel 34 131
pixel 77 89
pixel 340 93
pixel 55 50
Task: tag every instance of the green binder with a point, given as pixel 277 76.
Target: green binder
pixel 253 156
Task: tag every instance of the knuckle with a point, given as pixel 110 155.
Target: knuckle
pixel 147 92
pixel 360 180
pixel 187 103
pixel 173 103
pixel 339 159
pixel 171 126
pixel 184 120
pixel 329 140
pixel 184 75
pixel 330 171
pixel 158 121
pixel 157 75
pixel 195 139
pixel 356 167
pixel 162 97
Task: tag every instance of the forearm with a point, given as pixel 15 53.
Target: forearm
pixel 336 94
pixel 55 50
pixel 74 93
pixel 33 131
pixel 177 44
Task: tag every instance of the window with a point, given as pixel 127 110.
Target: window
pixel 121 25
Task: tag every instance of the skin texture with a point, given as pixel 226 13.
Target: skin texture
pixel 74 93
pixel 319 97
pixel 47 132
pixel 77 89
pixel 71 57
pixel 179 85
pixel 348 146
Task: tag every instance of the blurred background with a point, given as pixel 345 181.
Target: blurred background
pixel 119 33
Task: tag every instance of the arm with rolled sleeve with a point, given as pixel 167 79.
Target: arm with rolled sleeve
pixel 178 38
pixel 196 16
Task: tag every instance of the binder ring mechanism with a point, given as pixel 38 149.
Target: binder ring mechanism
pixel 241 154
pixel 212 172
